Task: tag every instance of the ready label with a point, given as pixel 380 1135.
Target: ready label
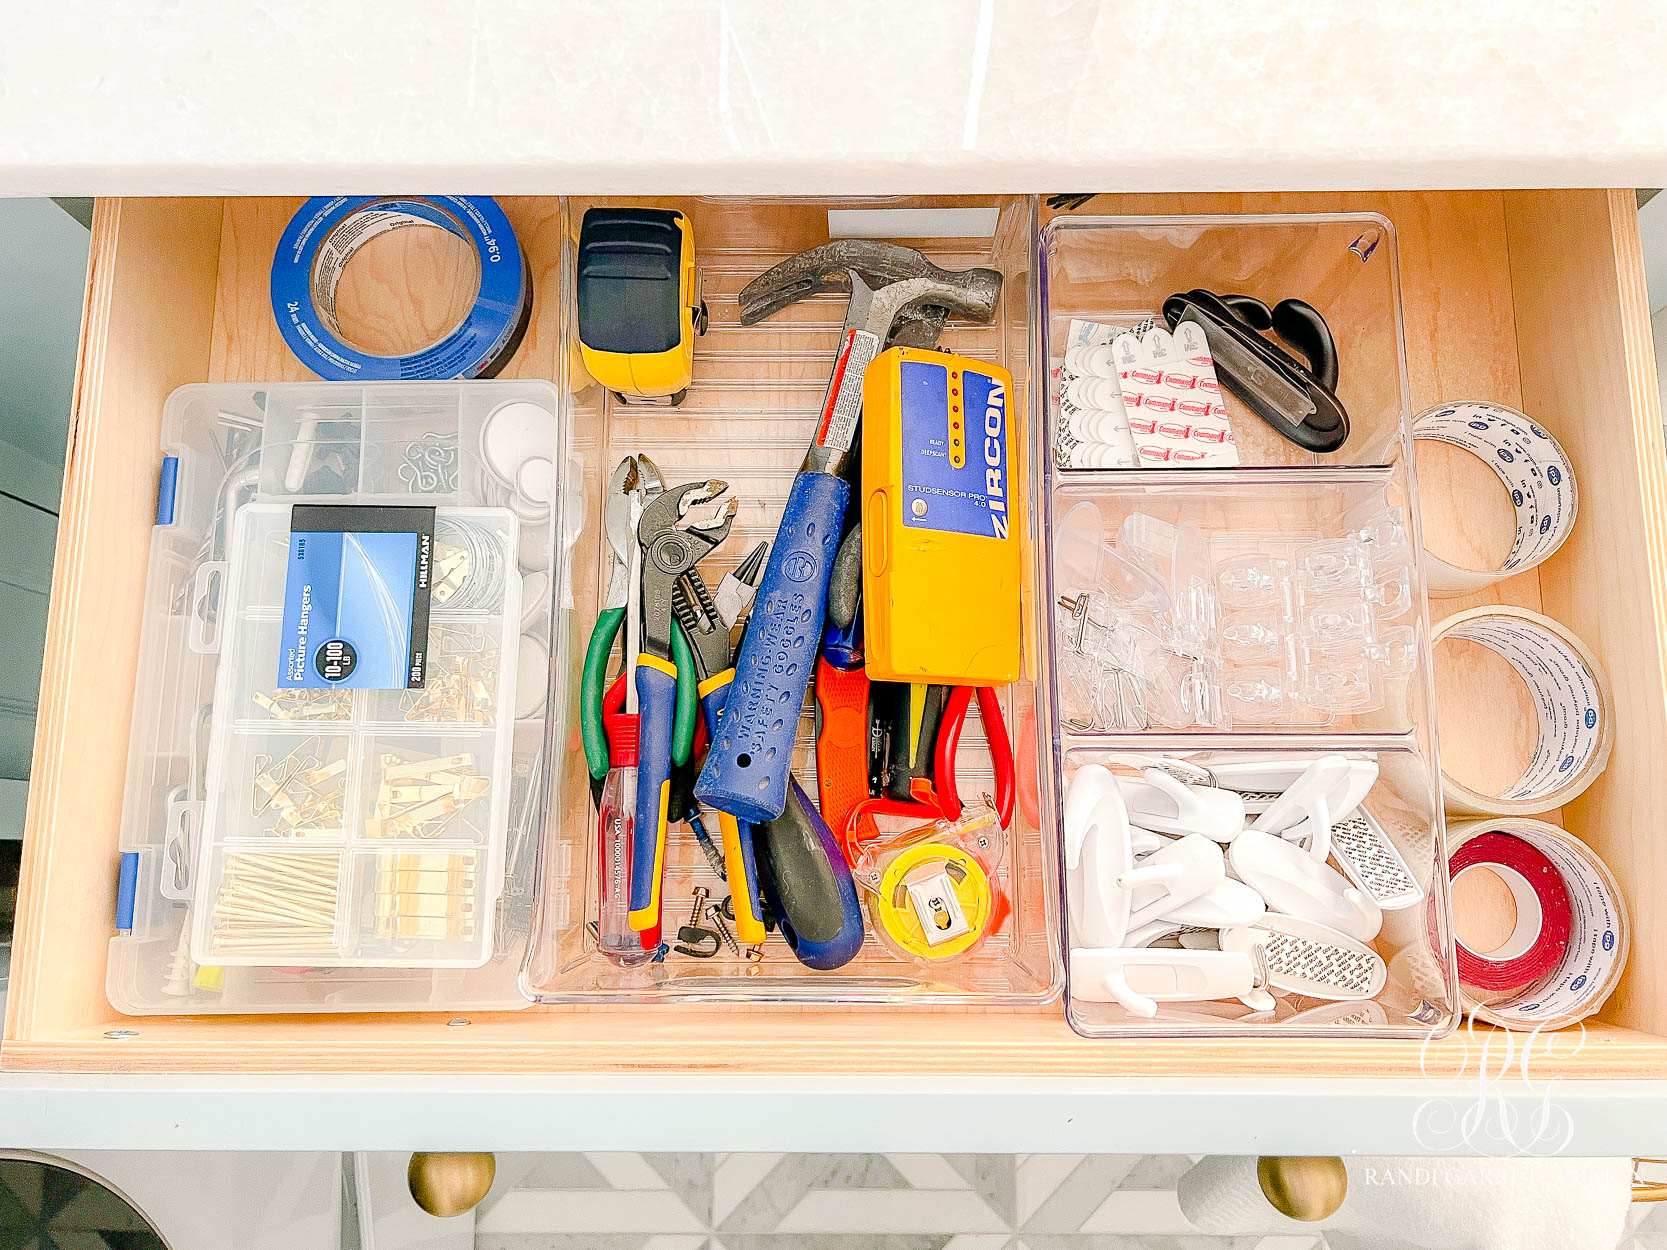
pixel 954 450
pixel 356 597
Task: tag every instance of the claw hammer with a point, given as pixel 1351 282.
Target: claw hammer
pixel 748 766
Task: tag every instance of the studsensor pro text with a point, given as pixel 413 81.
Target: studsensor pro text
pixel 940 559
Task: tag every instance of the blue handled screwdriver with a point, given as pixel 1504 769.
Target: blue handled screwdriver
pixel 749 764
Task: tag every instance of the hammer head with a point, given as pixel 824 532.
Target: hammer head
pixel 969 293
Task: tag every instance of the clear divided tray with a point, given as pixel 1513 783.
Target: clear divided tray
pixel 1272 609
pixel 320 801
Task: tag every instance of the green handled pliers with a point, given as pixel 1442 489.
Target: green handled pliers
pixel 636 482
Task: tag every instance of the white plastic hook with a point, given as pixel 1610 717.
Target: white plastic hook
pixel 1228 902
pixel 1097 853
pixel 1163 803
pixel 1141 979
pixel 1148 933
pixel 1328 790
pixel 1294 883
pixel 1144 841
pixel 1171 877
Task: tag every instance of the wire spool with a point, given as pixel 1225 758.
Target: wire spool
pixel 323 236
pixel 933 883
pixel 1572 699
pixel 1533 467
pixel 1571 935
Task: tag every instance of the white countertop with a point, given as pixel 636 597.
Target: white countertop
pixel 866 96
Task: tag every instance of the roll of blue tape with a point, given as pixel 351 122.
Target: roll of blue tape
pixel 324 234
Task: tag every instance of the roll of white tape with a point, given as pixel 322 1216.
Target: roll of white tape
pixel 1581 977
pixel 1572 699
pixel 1535 470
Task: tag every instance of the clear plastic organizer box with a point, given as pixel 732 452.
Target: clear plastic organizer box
pixel 307 788
pixel 1269 612
pixel 302 812
pixel 747 420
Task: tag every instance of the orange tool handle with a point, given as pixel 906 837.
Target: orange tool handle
pixel 842 745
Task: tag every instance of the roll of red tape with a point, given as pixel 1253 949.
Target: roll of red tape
pixel 1545 915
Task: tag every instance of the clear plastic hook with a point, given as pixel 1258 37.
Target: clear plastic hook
pixel 1251 636
pixel 1333 565
pixel 1252 580
pixel 1395 652
pixel 1337 685
pixel 1391 591
pixel 1339 624
pixel 1255 695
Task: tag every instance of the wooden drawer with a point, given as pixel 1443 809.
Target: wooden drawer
pixel 1535 299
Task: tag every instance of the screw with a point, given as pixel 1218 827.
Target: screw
pixel 724 931
pixel 700 896
pixel 693 940
pixel 755 953
pixel 121 1035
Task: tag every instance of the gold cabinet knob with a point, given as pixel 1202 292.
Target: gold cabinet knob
pixel 1304 1187
pixel 447 1183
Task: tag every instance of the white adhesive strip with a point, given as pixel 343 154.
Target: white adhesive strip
pixel 1571 696
pixel 1535 470
pixel 1599 940
pixel 913 223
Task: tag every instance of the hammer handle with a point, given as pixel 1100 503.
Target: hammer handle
pixel 747 770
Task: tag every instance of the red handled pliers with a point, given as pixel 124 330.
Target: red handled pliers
pixel 941 799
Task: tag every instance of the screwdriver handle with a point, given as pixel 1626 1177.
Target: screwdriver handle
pixel 751 759
pixel 810 887
pixel 656 708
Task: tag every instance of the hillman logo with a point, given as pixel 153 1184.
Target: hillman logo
pixel 995 449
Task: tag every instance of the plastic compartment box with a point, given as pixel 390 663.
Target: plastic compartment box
pixel 1293 584
pixel 206 708
pixel 746 420
pixel 1119 271
pixel 1419 998
pixel 327 770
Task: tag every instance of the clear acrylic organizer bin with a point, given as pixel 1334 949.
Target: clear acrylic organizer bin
pixel 1418 996
pixel 207 710
pixel 747 420
pixel 1270 610
pixel 1118 272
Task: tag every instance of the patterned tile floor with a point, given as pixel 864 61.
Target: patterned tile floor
pixel 49 1208
pixel 871 1202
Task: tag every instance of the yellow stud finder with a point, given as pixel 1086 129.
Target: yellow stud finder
pixel 940 523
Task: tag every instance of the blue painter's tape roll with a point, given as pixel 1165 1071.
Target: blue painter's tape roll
pixel 327 231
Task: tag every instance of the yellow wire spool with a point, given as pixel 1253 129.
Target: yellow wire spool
pixel 937 885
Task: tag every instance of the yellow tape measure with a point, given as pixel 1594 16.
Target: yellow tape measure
pixel 934 901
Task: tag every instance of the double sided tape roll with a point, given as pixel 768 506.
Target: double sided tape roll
pixel 1569 944
pixel 324 234
pixel 1535 470
pixel 1573 703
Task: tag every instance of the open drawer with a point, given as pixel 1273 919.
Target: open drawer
pixel 1532 299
